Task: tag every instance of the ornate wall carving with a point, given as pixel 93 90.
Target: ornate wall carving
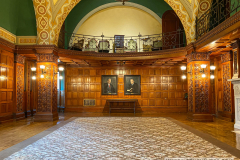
pixel 47 58
pixel 19 59
pixel 235 65
pixel 201 90
pixel 198 56
pixel 226 88
pixel 227 57
pixel 190 88
pixel 199 87
pixel 54 94
pixel 45 90
pixel 20 87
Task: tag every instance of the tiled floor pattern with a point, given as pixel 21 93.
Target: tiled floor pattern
pixel 120 138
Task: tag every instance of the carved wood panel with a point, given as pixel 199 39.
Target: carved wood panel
pixel 20 87
pixel 30 87
pixel 47 88
pixel 161 88
pixel 6 85
pixel 44 89
pixel 227 87
pixel 199 87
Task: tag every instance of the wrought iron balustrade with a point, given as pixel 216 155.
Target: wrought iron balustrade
pixel 216 14
pixel 140 43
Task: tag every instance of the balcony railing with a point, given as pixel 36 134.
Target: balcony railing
pixel 218 12
pixel 140 43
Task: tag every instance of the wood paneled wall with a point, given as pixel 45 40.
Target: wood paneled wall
pixel 6 85
pixel 162 89
pixel 224 88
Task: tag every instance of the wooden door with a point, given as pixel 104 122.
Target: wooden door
pixel 171 26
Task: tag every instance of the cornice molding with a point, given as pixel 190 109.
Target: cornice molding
pixel 123 56
pixel 19 59
pixel 39 49
pixel 198 56
pixel 7 35
pixel 6 44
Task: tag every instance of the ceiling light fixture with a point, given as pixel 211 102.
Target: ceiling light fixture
pixel 123 1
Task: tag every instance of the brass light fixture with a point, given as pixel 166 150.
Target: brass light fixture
pixel 123 1
pixel 42 67
pixel 184 68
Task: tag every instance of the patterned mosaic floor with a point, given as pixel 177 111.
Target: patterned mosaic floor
pixel 120 138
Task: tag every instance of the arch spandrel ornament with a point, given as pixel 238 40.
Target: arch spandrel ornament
pixel 48 28
pixel 43 12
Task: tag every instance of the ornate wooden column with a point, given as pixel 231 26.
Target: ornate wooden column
pixel 29 88
pixel 228 97
pixel 236 82
pixel 18 89
pixel 46 87
pixel 199 98
pixel 236 58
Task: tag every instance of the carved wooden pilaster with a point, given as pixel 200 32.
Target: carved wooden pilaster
pixel 228 96
pixel 236 59
pixel 47 88
pixel 199 106
pixel 18 96
pixel 30 88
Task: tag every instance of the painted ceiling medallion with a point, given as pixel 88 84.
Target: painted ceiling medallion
pixel 123 1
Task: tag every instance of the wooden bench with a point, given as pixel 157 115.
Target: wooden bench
pixel 111 101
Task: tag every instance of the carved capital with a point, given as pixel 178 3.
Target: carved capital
pixel 235 44
pixel 19 58
pixel 47 58
pixel 198 56
pixel 227 57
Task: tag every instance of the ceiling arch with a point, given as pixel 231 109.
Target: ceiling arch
pixel 55 23
pixel 108 5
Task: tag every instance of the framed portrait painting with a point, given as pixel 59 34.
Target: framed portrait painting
pixel 132 85
pixel 109 85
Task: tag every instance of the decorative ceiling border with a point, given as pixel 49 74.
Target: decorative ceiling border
pixel 7 35
pixel 26 40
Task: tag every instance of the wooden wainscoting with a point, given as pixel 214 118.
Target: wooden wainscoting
pixel 6 85
pixel 162 89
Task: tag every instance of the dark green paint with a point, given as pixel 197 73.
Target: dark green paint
pixel 18 17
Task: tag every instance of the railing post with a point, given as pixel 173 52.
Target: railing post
pixel 196 31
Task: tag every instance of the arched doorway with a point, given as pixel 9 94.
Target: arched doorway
pixel 172 30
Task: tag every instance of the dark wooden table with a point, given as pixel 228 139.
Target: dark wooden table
pixel 111 101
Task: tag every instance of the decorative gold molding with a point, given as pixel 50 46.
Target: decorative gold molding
pixel 7 35
pixel 26 40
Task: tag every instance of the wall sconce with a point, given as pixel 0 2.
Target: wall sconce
pixel 183 68
pixel 3 78
pixel 42 67
pixel 203 66
pixel 34 69
pixel 212 69
pixel 60 69
pixel 184 77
